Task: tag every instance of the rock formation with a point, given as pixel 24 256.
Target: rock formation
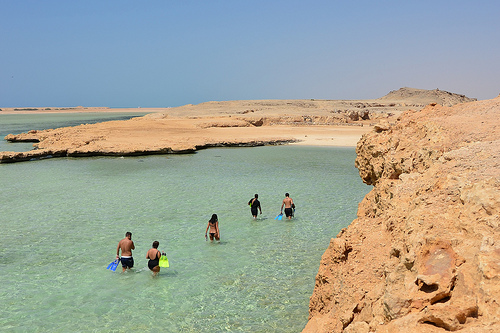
pixel 422 97
pixel 424 253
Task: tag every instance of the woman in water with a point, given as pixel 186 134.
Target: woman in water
pixel 213 224
pixel 154 258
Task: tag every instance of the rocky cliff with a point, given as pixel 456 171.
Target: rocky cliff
pixel 424 253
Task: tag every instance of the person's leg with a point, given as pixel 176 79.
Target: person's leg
pixel 124 264
pixel 127 263
pixel 131 263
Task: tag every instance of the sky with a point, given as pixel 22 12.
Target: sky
pixel 169 53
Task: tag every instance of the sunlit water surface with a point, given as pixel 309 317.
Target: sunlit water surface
pixel 62 219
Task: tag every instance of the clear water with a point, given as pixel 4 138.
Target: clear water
pixel 19 123
pixel 62 219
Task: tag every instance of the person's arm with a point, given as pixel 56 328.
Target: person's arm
pixel 217 228
pixel 282 204
pixel 206 230
pixel 118 251
pixel 133 246
pixel 260 208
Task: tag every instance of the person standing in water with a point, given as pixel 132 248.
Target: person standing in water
pixel 289 205
pixel 254 205
pixel 213 224
pixel 126 245
pixel 154 258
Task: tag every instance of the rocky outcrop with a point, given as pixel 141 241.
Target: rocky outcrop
pixel 139 136
pixel 418 97
pixel 424 253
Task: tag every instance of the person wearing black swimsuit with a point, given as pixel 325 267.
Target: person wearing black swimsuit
pixel 154 258
pixel 254 204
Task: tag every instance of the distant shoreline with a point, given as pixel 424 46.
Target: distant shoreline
pixel 241 123
pixel 79 109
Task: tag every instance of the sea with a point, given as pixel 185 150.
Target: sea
pixel 62 218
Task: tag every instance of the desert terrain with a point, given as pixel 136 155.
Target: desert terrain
pixel 188 128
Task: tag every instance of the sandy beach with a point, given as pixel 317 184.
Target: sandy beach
pixel 188 128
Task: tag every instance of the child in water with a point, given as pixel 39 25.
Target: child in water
pixel 213 224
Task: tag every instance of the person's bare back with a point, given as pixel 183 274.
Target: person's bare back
pixel 126 245
pixel 288 204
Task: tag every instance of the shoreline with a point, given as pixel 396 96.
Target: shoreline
pixel 189 128
pixel 184 129
pixel 102 139
pixel 11 111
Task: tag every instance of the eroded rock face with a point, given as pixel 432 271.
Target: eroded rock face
pixel 424 253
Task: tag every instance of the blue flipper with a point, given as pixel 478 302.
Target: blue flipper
pixel 279 217
pixel 113 265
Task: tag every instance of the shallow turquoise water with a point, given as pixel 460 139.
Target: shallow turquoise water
pixel 62 219
pixel 18 123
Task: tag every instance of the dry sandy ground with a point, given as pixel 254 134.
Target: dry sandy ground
pixel 190 127
pixel 227 123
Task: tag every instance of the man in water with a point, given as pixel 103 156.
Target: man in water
pixel 254 205
pixel 289 205
pixel 126 245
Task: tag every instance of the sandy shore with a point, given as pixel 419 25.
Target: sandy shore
pixel 322 135
pixel 221 124
pixel 193 127
pixel 344 135
pixel 142 136
pixel 338 136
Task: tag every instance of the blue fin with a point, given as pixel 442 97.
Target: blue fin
pixel 279 217
pixel 113 265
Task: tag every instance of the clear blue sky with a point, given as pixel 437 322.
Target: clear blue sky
pixel 170 53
